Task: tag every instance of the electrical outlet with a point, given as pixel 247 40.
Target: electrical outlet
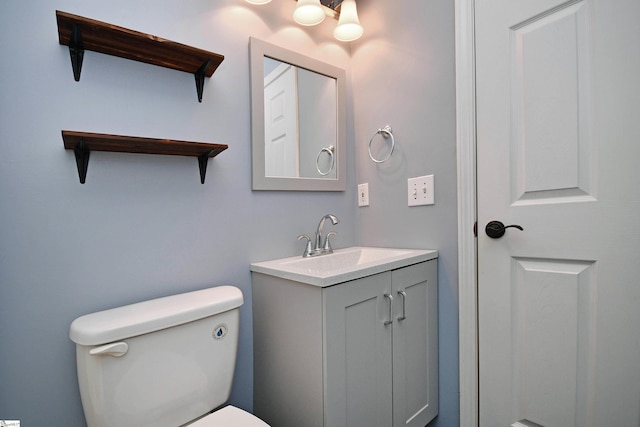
pixel 363 194
pixel 420 191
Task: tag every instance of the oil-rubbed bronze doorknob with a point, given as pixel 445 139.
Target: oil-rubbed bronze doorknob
pixel 496 229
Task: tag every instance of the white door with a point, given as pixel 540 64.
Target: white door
pixel 281 122
pixel 558 133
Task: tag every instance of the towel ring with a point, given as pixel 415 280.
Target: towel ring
pixel 386 133
pixel 329 150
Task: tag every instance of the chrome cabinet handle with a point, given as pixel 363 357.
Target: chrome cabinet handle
pixel 390 298
pixel 404 305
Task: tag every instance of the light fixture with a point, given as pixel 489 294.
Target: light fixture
pixel 349 27
pixel 313 12
pixel 309 12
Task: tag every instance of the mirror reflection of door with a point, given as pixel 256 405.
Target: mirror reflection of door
pixel 280 119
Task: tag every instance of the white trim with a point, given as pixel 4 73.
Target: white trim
pixel 467 248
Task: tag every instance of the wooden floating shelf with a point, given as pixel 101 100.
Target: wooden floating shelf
pixel 83 143
pixel 80 33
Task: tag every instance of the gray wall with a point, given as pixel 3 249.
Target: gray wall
pixel 143 226
pixel 403 76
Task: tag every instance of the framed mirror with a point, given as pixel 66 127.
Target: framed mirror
pixel 298 113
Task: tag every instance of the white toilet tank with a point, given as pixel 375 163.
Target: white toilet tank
pixel 162 362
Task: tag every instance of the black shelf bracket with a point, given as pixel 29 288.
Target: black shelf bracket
pixel 76 50
pixel 203 159
pixel 199 75
pixel 82 153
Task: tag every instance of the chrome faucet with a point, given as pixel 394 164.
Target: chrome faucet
pixel 327 245
pixel 320 248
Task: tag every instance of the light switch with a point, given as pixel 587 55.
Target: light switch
pixel 363 194
pixel 420 191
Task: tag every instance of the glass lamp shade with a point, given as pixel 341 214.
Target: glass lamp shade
pixel 258 1
pixel 309 12
pixel 349 27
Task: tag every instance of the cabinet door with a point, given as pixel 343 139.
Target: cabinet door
pixel 415 345
pixel 358 369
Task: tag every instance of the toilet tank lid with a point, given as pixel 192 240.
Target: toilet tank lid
pixel 153 315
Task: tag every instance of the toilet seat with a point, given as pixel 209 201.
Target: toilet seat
pixel 229 416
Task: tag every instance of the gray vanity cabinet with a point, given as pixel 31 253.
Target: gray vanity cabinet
pixel 343 355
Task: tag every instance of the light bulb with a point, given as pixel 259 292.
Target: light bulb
pixel 309 12
pixel 349 27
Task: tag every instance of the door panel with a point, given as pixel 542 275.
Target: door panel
pixel 415 340
pixel 550 138
pixel 557 146
pixel 553 308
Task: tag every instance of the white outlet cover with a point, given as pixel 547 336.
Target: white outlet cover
pixel 420 191
pixel 363 194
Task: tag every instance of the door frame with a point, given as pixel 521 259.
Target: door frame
pixel 467 211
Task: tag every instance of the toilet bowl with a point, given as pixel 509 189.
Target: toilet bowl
pixel 229 416
pixel 163 362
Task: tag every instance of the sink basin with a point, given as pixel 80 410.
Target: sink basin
pixel 342 259
pixel 342 265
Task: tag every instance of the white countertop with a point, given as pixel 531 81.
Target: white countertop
pixel 343 265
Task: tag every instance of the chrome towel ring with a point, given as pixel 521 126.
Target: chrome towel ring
pixel 386 133
pixel 330 151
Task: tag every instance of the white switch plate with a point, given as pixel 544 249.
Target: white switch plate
pixel 420 191
pixel 363 194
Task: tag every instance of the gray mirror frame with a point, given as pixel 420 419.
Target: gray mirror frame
pixel 258 49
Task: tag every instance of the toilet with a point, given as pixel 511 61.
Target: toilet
pixel 164 362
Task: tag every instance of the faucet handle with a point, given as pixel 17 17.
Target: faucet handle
pixel 308 250
pixel 327 245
